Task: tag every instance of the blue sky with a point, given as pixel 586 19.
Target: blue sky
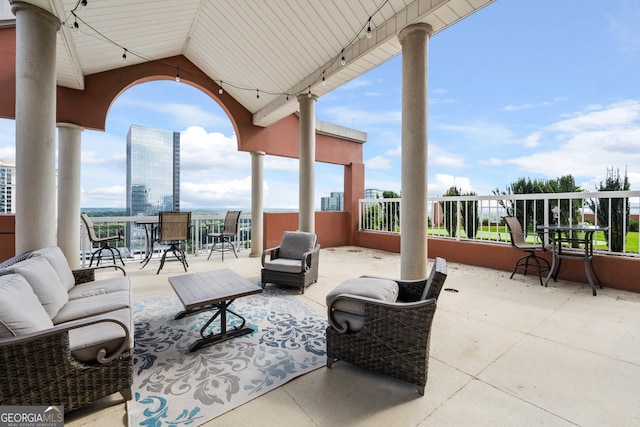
pixel 520 89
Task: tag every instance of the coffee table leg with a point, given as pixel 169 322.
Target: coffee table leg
pixel 223 335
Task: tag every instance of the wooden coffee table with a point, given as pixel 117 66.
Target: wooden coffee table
pixel 213 290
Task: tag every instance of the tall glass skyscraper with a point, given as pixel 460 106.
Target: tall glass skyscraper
pixel 153 171
pixel 153 175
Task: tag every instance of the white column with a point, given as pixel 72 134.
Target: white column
pixel 35 126
pixel 307 161
pixel 69 144
pixel 257 181
pixel 413 211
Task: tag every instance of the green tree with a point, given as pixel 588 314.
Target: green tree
pixel 470 216
pixel 615 208
pixel 531 212
pixel 391 220
pixel 450 211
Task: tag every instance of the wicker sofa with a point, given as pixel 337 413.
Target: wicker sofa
pixel 384 325
pixel 65 338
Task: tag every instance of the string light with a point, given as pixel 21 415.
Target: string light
pixel 343 61
pixel 75 26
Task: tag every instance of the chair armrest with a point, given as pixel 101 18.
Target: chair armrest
pixel 84 275
pixel 402 311
pixel 272 252
pixel 32 340
pixel 307 258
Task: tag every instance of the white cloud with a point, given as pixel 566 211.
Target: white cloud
pixel 590 142
pixel 378 162
pixel 108 197
pixel 203 153
pixel 535 105
pixel 622 113
pixel 443 182
pixel 493 161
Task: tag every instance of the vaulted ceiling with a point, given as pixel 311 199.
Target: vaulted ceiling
pixel 262 52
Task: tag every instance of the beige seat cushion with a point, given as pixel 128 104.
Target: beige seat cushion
pixel 93 305
pixel 285 265
pixel 86 342
pixel 100 287
pixel 20 310
pixel 45 283
pixel 351 312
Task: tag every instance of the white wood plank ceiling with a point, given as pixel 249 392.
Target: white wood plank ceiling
pixel 279 47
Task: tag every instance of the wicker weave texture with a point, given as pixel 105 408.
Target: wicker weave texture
pixel 395 337
pixel 43 372
pixel 394 341
pixel 296 280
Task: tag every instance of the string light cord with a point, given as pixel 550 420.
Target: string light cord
pixel 181 72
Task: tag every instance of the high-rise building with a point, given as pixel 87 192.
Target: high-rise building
pixel 153 175
pixel 7 187
pixel 372 193
pixel 153 171
pixel 333 203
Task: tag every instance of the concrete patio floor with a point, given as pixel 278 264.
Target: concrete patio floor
pixel 503 352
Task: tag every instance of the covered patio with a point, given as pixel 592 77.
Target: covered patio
pixel 266 66
pixel 503 352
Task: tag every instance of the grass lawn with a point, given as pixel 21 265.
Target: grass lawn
pixel 501 234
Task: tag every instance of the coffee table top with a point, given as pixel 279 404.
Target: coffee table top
pixel 211 287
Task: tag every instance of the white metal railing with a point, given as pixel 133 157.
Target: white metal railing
pixel 480 217
pixel 134 245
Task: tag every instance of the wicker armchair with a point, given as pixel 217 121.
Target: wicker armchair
pixel 393 337
pixel 294 262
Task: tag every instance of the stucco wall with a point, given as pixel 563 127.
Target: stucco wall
pixel 615 271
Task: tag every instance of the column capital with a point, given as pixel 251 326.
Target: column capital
pixel 17 6
pixel 258 153
pixel 420 27
pixel 306 98
pixel 70 126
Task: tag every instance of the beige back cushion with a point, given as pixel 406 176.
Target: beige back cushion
pixel 58 261
pixel 45 283
pixel 295 244
pixel 20 310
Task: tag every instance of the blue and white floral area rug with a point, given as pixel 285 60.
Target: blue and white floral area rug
pixel 174 387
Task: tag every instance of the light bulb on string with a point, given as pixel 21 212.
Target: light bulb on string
pixel 178 75
pixel 124 56
pixel 343 61
pixel 82 4
pixel 324 81
pixel 369 29
pixel 220 90
pixel 257 94
pixel 75 26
